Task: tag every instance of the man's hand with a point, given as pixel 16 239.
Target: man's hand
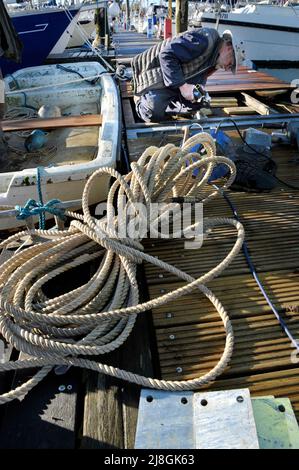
pixel 187 91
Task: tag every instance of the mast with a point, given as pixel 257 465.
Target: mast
pixel 128 14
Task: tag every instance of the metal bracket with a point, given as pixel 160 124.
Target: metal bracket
pixel 214 420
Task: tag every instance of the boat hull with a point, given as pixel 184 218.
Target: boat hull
pixel 39 33
pixel 66 179
pixel 78 37
pixel 266 34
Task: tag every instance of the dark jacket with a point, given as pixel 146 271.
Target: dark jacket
pixel 171 63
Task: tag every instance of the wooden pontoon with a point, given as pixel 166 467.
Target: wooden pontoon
pixel 185 338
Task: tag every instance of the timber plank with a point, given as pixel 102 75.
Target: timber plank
pixel 128 112
pixel 52 123
pixel 102 421
pixel 45 418
pixel 190 336
pixel 111 406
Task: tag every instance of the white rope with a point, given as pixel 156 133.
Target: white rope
pixel 97 317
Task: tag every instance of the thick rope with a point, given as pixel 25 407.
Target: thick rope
pixel 97 317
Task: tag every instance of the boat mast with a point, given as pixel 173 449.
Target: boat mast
pixel 170 9
pixel 128 14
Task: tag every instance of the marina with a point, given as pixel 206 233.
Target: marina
pixel 100 315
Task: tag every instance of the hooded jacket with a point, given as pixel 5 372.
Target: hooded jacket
pixel 174 61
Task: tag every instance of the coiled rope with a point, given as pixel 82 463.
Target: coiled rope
pixel 97 317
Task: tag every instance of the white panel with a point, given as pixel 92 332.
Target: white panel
pixel 224 420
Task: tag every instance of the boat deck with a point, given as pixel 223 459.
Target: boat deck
pixel 184 339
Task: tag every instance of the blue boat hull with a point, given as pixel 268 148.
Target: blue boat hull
pixel 39 32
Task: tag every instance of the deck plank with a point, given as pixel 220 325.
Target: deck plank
pixel 264 359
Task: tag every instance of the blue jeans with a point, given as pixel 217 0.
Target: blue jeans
pixel 160 105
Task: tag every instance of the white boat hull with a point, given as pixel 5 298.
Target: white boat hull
pixel 59 180
pixel 266 33
pixel 64 39
pixel 79 36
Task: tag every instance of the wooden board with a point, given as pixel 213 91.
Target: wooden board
pixel 189 332
pixel 128 112
pixel 225 82
pixel 239 110
pixel 111 406
pixel 52 123
pixel 46 418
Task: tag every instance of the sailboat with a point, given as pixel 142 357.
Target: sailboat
pixel 265 32
pixel 41 32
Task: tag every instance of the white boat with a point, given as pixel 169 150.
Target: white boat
pixel 85 26
pixel 84 29
pixel 78 151
pixel 265 32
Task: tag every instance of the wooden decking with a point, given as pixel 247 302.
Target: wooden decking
pixel 189 333
pixel 185 338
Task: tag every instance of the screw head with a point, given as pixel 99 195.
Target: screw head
pixel 203 402
pixel 179 370
pixel 281 408
pixel 168 315
pixel 240 399
pixel 184 401
pixel 69 387
pixel 172 337
pixel 160 276
pixel 61 388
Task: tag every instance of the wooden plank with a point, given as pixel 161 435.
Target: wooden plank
pixel 111 406
pixel 257 105
pixel 52 123
pixel 46 418
pixel 128 112
pixel 102 420
pixel 221 101
pixel 189 334
pixel 239 110
pixel 138 356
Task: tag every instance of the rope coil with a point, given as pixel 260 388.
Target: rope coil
pixel 97 317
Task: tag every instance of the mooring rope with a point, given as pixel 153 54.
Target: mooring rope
pixel 97 317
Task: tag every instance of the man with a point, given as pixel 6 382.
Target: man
pixel 165 75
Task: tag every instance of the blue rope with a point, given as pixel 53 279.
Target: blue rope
pixel 33 207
